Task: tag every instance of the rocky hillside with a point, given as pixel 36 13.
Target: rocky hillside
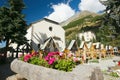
pixel 83 21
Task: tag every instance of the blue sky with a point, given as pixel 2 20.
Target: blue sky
pixel 38 9
pixel 2 44
pixel 57 10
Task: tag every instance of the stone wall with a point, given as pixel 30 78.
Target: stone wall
pixel 16 77
pixel 34 72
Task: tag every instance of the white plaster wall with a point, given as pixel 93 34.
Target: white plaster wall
pixel 28 35
pixel 14 45
pixel 41 32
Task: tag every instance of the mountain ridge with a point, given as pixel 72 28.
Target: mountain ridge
pixel 77 16
pixel 82 22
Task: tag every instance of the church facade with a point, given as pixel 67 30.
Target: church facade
pixel 40 31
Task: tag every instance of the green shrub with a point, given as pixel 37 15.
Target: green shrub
pixel 38 61
pixel 114 74
pixel 21 58
pixel 65 65
pixel 52 60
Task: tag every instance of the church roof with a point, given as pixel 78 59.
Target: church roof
pixel 46 19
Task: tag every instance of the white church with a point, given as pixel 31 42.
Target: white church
pixel 39 32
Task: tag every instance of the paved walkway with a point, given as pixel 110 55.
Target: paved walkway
pixel 5 71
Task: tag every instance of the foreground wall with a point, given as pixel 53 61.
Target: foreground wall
pixel 33 72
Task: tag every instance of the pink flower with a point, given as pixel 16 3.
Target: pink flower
pixel 50 58
pixel 51 61
pixel 46 58
pixel 27 57
pixel 20 55
pixel 75 59
pixel 70 54
pixel 50 54
pixel 60 54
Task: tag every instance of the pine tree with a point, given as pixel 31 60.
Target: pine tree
pixel 112 15
pixel 12 24
pixel 112 20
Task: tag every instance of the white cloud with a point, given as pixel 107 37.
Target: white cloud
pixel 91 5
pixel 68 1
pixel 61 12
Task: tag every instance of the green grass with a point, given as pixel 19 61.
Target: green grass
pixel 77 22
pixel 114 74
pixel 94 61
pixel 80 25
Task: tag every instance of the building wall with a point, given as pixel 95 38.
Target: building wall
pixel 29 33
pixel 39 32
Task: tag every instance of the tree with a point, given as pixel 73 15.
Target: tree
pixel 12 25
pixel 111 22
pixel 112 15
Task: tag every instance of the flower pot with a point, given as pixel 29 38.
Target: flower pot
pixel 34 72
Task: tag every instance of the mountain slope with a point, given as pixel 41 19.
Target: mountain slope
pixel 78 16
pixel 85 21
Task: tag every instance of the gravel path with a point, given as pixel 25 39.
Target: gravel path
pixel 104 64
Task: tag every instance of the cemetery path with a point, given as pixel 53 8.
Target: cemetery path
pixel 104 64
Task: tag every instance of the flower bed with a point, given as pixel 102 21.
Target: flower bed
pixel 55 60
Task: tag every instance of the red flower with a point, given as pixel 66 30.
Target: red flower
pixel 27 57
pixel 118 63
